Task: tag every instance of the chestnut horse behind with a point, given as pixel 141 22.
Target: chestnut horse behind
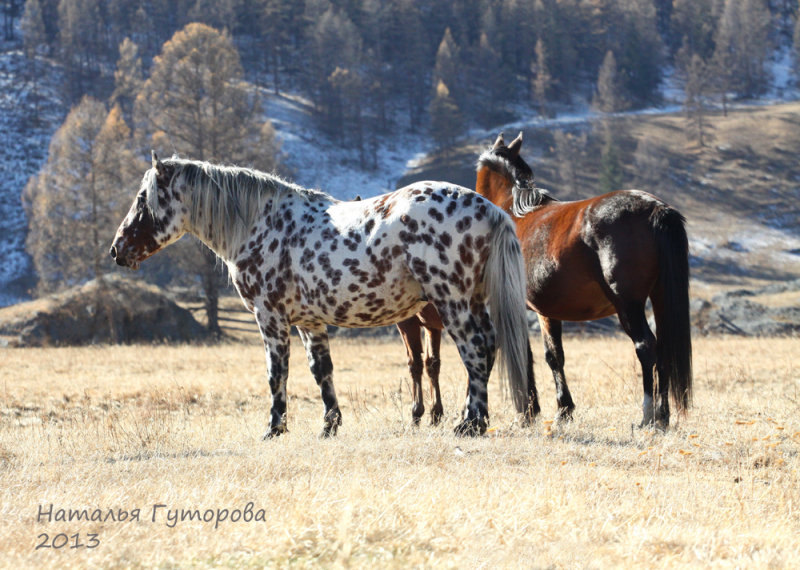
pixel 590 259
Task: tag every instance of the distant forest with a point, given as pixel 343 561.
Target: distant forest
pixel 179 74
pixel 371 66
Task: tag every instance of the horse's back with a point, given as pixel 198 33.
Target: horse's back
pixel 580 252
pixel 385 256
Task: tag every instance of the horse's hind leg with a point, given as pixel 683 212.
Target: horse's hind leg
pixel 634 321
pixel 432 367
pixel 319 361
pixel 475 338
pixel 554 355
pixel 411 331
pixel 533 395
pixel 662 397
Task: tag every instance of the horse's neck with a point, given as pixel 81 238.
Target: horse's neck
pixel 219 223
pixel 502 199
pixel 497 195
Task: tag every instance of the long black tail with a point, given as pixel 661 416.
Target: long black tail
pixel 674 332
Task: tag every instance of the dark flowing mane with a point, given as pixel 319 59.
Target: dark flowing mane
pixel 525 193
pixel 226 200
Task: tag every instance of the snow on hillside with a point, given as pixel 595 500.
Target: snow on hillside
pixel 316 162
pixel 312 159
pixel 25 133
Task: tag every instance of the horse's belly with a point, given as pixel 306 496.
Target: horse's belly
pixel 354 304
pixel 580 300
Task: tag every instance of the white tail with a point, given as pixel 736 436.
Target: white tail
pixel 504 282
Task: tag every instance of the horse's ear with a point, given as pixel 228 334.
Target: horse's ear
pixel 516 144
pixel 499 142
pixel 157 164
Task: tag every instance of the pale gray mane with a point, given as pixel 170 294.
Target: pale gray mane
pixel 226 201
pixel 525 194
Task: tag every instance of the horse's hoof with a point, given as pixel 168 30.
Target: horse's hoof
pixel 416 414
pixel 436 417
pixel 564 415
pixel 333 420
pixel 274 431
pixel 525 420
pixel 328 432
pixel 661 424
pixel 470 428
pixel 657 425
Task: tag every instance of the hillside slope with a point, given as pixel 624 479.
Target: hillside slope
pixel 31 109
pixel 740 192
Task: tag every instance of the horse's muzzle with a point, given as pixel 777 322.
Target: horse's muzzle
pixel 122 260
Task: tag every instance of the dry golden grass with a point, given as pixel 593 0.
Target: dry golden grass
pixel 132 427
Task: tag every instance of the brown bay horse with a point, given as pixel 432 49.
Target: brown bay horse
pixel 586 260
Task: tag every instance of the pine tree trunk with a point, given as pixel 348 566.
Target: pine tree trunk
pixel 211 293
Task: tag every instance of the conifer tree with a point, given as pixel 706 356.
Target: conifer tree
pixel 78 198
pixel 570 151
pixel 611 173
pixel 542 80
pixel 79 24
pixel 639 51
pixel 447 69
pixel 128 78
pixel 693 23
pixel 196 103
pixel 446 121
pixel 32 26
pixel 694 104
pixel 488 99
pixel 608 97
pixel 34 41
pixel 742 48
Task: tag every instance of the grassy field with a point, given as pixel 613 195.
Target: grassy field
pixel 132 427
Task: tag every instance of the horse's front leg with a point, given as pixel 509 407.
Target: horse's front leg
pixel 275 335
pixel 319 360
pixel 554 355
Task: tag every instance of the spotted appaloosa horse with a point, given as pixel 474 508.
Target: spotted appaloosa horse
pixel 300 257
pixel 593 258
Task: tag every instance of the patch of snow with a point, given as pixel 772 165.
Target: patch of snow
pixel 671 87
pixel 317 162
pixel 743 243
pixel 314 160
pixel 783 87
pixel 25 133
